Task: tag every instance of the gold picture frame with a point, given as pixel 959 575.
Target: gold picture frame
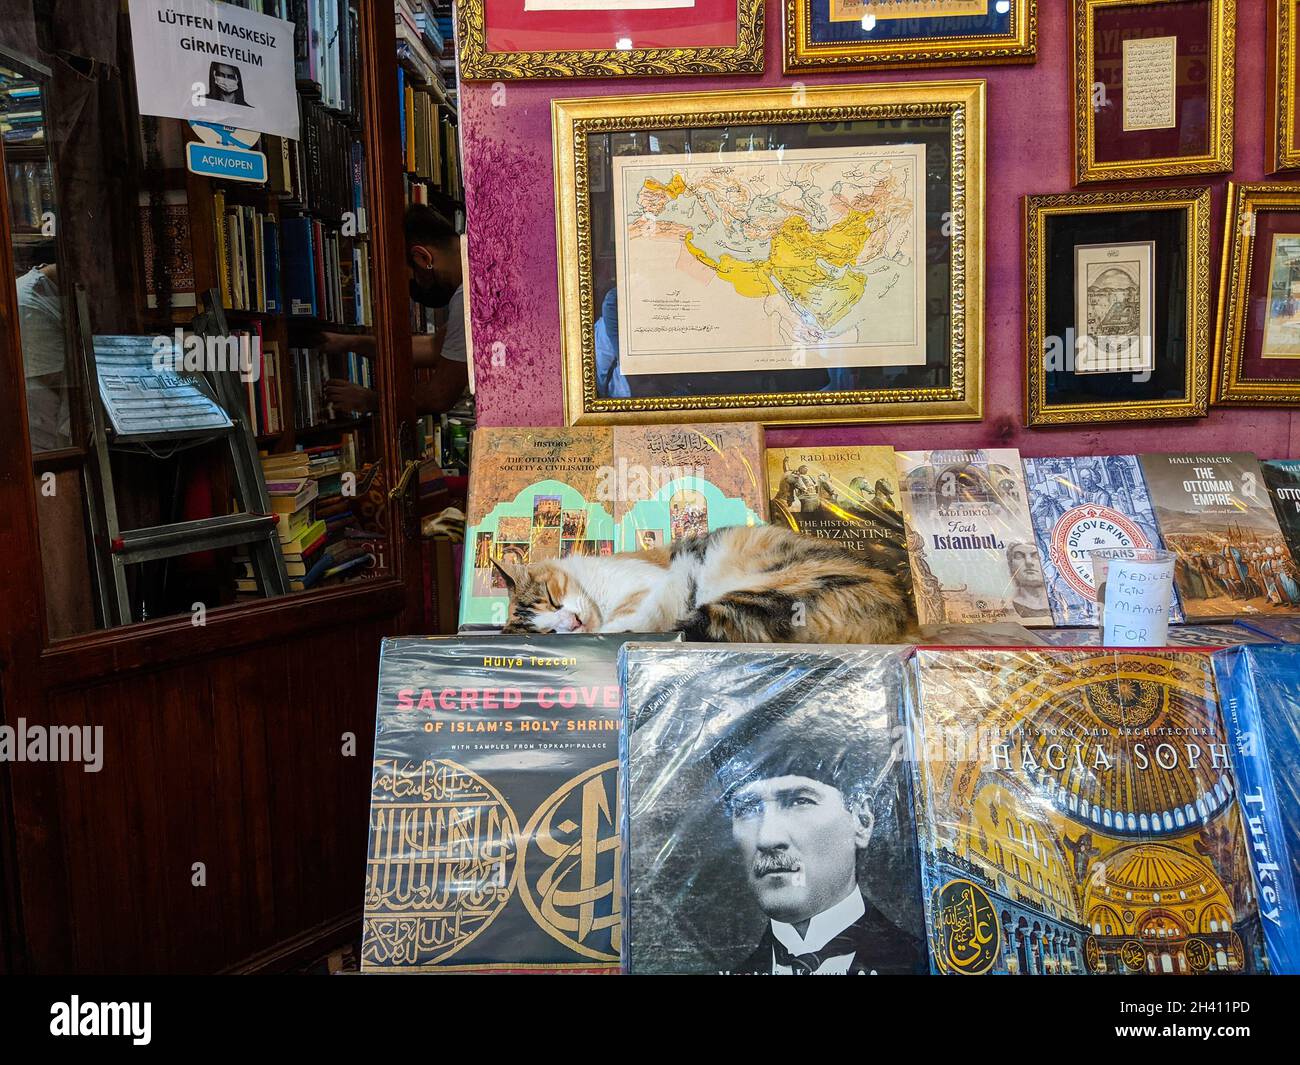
pixel 477 63
pixel 802 53
pixel 1232 386
pixel 1282 149
pixel 957 107
pixel 1041 293
pixel 1219 69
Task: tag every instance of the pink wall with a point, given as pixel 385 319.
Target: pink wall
pixel 509 191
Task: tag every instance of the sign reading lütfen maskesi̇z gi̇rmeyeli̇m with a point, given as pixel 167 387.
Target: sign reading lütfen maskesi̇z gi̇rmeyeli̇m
pixel 210 62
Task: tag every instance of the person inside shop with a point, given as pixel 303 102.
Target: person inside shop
pixel 433 256
pixel 798 796
pixel 40 327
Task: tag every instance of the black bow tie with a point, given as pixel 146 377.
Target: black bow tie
pixel 807 964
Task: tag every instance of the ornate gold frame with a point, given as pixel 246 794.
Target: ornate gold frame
pixel 1281 151
pixel 1223 23
pixel 962 102
pixel 1229 388
pixel 1020 46
pixel 1195 404
pixel 478 64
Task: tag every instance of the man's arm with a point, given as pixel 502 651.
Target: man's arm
pixel 426 348
pixel 438 395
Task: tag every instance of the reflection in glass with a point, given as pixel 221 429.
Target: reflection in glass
pixel 32 211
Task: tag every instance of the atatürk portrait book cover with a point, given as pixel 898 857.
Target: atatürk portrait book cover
pixel 770 812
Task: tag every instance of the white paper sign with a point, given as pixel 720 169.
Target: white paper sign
pixel 209 62
pixel 1136 607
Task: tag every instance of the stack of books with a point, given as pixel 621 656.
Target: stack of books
pixel 262 389
pixel 248 256
pixel 327 274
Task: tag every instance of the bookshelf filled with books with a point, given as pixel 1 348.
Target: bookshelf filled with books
pixel 291 261
pixel 426 84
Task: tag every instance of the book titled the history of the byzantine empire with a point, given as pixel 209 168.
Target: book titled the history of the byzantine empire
pixel 1078 815
pixel 846 494
pixel 495 842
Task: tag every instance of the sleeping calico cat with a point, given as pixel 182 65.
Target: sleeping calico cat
pixel 754 584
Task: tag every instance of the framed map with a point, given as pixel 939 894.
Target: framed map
pixel 807 256
pixel 778 259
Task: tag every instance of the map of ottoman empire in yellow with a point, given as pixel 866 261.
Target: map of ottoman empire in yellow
pixel 776 259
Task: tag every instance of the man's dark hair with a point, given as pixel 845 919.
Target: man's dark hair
pixel 424 225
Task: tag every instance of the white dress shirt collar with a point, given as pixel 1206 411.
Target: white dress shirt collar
pixel 822 928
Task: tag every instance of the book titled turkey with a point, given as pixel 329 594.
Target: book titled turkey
pixel 1259 689
pixel 969 538
pixel 846 494
pixel 547 493
pixel 1080 505
pixel 1215 515
pixel 769 811
pixel 495 841
pixel 1078 815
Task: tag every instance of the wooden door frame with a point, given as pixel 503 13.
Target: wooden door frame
pixel 31 665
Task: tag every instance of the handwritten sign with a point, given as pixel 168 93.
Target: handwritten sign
pixel 1136 598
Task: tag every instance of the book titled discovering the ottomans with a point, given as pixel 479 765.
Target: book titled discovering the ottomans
pixel 1080 505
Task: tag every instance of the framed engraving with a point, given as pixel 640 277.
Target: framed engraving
pixel 1282 147
pixel 504 39
pixel 1117 328
pixel 870 34
pixel 1112 300
pixel 1153 88
pixel 762 256
pixel 1257 330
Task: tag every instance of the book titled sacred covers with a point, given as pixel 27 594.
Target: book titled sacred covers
pixel 1077 814
pixel 1215 515
pixel 1283 479
pixel 1259 690
pixel 495 840
pixel 548 493
pixel 769 810
pixel 969 538
pixel 1080 505
pixel 846 494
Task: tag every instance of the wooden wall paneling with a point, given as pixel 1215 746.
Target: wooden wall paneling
pixel 233 687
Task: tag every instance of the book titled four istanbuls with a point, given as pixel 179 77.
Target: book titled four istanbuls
pixel 831 810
